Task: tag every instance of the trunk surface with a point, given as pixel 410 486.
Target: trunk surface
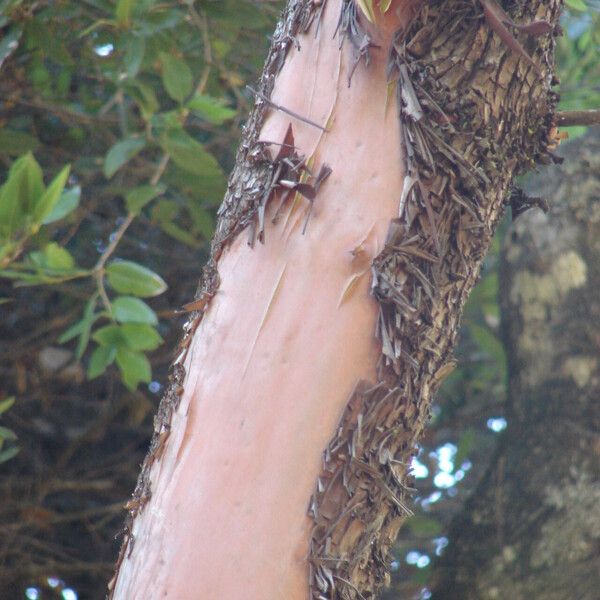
pixel 281 452
pixel 532 529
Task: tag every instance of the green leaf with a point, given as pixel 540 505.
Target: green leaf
pixel 7 454
pixel 57 258
pixel 101 358
pixel 145 97
pixel 424 527
pixel 122 152
pixel 127 309
pixel 15 143
pixel 127 277
pixel 576 4
pixel 189 155
pixel 134 367
pixel 7 434
pixel 20 193
pixel 123 11
pixel 134 55
pixel 139 336
pixel 49 199
pixel 82 328
pixel 109 335
pixel 89 318
pixel 137 198
pixel 210 109
pixel 67 203
pixel 6 404
pixel 176 77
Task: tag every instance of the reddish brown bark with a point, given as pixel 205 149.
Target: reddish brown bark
pixel 312 363
pixel 278 352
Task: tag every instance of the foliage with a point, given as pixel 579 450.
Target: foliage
pixel 130 107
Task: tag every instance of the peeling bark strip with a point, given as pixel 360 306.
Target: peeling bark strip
pixel 474 113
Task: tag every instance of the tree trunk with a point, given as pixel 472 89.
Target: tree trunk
pixel 532 529
pixel 328 311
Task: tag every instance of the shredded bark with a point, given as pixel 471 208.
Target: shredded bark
pixel 474 113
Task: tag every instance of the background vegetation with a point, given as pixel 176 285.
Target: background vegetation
pixel 118 123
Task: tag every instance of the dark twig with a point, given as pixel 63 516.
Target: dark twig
pixel 287 111
pixel 567 118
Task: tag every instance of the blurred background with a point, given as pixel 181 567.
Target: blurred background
pixel 119 121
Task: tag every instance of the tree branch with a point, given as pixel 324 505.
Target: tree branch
pixel 567 118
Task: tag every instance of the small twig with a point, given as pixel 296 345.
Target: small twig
pixel 568 118
pixel 160 168
pixel 98 271
pixel 287 111
pixel 202 24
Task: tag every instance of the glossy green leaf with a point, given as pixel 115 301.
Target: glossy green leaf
pixel 576 4
pixel 137 198
pixel 49 199
pixel 127 277
pixel 57 258
pixel 210 109
pixel 20 193
pixel 134 367
pixel 127 309
pixel 101 358
pixel 139 336
pixel 67 203
pixel 122 152
pixel 176 77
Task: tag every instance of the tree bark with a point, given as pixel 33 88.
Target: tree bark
pixel 328 311
pixel 532 529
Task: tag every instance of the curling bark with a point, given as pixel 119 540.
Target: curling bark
pixel 369 181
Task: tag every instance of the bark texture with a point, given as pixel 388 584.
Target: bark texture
pixel 473 114
pixel 532 529
pixel 468 112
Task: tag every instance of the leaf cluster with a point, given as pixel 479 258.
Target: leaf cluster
pixel 129 109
